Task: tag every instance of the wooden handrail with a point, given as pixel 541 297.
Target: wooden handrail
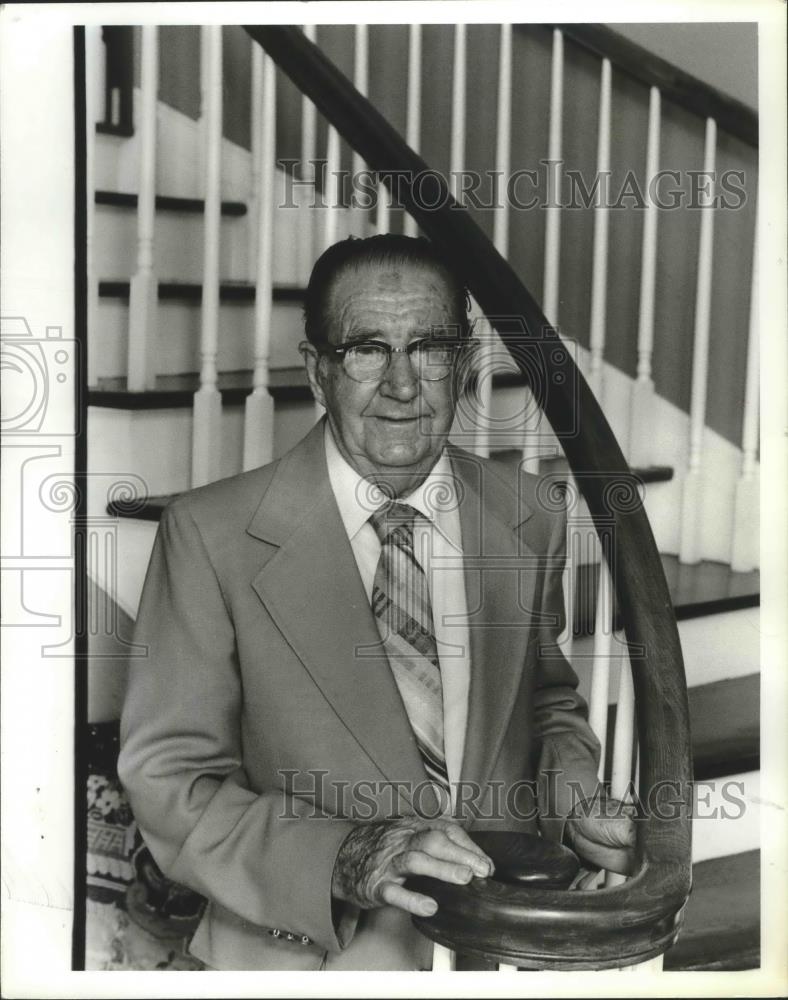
pixel 675 85
pixel 530 927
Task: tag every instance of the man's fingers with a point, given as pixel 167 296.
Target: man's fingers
pixel 410 902
pixel 452 843
pixel 613 859
pixel 420 863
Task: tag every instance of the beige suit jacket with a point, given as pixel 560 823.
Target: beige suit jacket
pixel 258 729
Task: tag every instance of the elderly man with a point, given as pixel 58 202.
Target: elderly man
pixel 352 652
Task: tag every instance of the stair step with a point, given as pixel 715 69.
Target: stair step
pixel 718 750
pixel 175 391
pixel 722 920
pixel 191 291
pixel 168 203
pixel 706 588
pixel 558 464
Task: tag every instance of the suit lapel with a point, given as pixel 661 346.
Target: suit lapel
pixel 498 587
pixel 313 591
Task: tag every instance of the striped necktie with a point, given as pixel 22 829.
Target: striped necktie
pixel 401 605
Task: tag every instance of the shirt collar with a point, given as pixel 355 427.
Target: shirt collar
pixel 357 498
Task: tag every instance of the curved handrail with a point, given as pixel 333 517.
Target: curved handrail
pixel 543 928
pixel 676 85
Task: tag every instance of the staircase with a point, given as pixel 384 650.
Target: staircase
pixel 687 469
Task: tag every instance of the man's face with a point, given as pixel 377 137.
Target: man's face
pixel 393 429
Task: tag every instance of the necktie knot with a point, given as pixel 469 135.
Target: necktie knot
pixel 393 522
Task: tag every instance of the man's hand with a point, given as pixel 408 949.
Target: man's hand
pixel 375 859
pixel 605 837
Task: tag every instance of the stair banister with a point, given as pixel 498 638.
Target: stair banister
pixel 642 399
pixel 413 115
pixel 143 290
pixel 531 928
pixel 206 435
pixel 689 547
pixel 258 445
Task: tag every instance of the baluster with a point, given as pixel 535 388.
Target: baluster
pixel 457 155
pixel 206 444
pixel 331 189
pixel 143 291
pixel 603 647
pixel 256 129
pixel 443 959
pixel 623 734
pixel 93 61
pixel 552 252
pixel 744 544
pixel 689 549
pixel 309 242
pixel 259 414
pixel 601 219
pixel 484 330
pixel 642 402
pixel 573 549
pixel 413 126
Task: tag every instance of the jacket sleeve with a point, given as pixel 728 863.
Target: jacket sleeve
pixel 267 857
pixel 566 748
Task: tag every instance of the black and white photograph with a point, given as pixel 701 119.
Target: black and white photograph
pixel 386 394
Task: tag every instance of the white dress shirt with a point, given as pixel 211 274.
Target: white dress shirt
pixel 437 544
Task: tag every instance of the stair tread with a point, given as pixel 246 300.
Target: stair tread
pixel 558 464
pixel 718 751
pixel 722 922
pixel 167 203
pixel 191 291
pixel 174 391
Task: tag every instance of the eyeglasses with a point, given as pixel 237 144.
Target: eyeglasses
pixel 432 358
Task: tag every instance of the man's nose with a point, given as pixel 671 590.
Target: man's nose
pixel 400 380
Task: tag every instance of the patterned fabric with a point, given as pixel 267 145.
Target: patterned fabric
pixel 403 612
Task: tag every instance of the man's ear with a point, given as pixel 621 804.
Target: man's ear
pixel 313 373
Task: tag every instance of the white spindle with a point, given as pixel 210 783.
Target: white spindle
pixel 744 544
pixel 443 959
pixel 601 219
pixel 413 122
pixel 256 131
pixel 457 156
pixel 573 550
pixel 308 121
pixel 360 77
pixel 503 139
pixel 93 75
pixel 309 242
pixel 623 734
pixel 552 250
pixel 331 191
pixel 206 444
pixel 484 330
pixel 259 415
pixel 642 403
pixel 143 292
pixel 689 551
pixel 603 648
